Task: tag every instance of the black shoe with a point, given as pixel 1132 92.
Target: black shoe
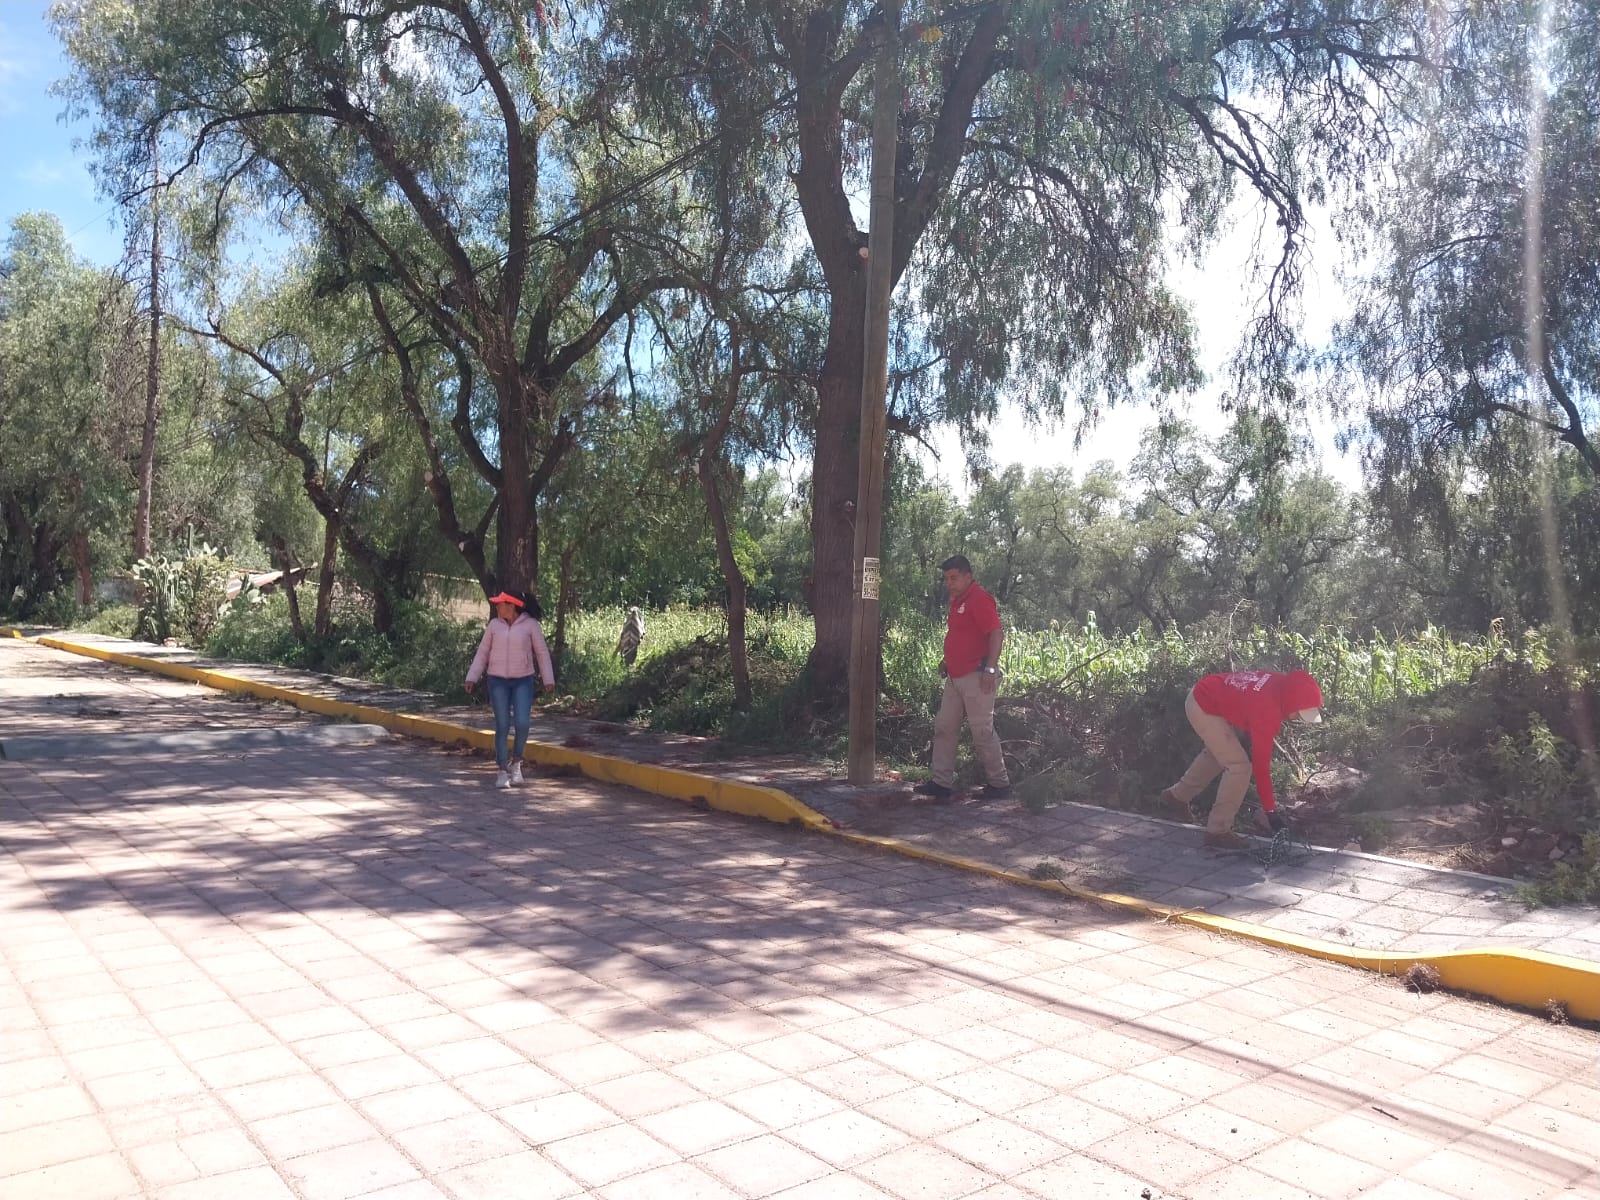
pixel 991 792
pixel 937 790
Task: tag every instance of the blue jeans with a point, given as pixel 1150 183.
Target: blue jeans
pixel 511 699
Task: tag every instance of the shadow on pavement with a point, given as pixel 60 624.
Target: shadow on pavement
pixel 663 913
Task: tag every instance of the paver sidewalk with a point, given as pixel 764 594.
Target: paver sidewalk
pixel 1343 897
pixel 341 971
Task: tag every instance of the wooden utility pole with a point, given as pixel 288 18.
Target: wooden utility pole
pixel 862 766
pixel 152 382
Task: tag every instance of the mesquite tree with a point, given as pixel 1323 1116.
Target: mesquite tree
pixel 1045 154
pixel 463 166
pixel 1482 313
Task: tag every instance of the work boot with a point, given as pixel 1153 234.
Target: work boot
pixel 934 791
pixel 1177 810
pixel 1227 840
pixel 995 791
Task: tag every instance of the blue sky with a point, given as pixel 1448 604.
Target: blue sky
pixel 39 168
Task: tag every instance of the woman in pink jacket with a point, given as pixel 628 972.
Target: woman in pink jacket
pixel 512 645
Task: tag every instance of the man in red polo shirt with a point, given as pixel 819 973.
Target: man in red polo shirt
pixel 1222 706
pixel 971 667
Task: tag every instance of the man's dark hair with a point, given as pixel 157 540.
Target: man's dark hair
pixel 956 562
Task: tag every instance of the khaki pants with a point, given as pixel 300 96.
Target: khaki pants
pixel 1223 755
pixel 965 700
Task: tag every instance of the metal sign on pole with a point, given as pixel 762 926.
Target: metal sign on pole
pixel 862 762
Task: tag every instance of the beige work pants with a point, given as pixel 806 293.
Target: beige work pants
pixel 1223 755
pixel 965 700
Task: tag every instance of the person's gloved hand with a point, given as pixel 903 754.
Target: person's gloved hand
pixel 1277 822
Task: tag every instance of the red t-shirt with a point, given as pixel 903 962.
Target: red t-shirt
pixel 1258 702
pixel 966 637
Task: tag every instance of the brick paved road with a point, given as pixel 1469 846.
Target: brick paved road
pixel 361 972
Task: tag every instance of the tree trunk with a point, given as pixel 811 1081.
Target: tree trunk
pixel 382 608
pixel 291 593
pixel 706 470
pixel 80 564
pixel 833 495
pixel 516 549
pixel 152 379
pixel 564 599
pixel 13 569
pixel 46 564
pixel 323 622
pixel 738 656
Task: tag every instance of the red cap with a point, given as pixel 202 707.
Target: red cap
pixel 507 598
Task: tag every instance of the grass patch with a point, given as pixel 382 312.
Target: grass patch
pixel 114 620
pixel 427 652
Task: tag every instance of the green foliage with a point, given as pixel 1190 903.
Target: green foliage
pixel 1570 882
pixel 60 609
pixel 426 651
pixel 260 633
pixel 682 679
pixel 1543 776
pixel 1441 328
pixel 65 364
pixel 181 595
pixel 1505 741
pixel 114 620
pixel 515 232
pixel 1374 832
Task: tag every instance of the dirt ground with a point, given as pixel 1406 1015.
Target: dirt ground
pixel 1457 836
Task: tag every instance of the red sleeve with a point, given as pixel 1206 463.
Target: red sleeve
pixel 1268 719
pixel 1261 751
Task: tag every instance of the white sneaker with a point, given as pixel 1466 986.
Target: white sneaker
pixel 516 774
pixel 502 780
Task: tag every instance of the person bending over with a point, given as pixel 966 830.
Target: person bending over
pixel 1220 707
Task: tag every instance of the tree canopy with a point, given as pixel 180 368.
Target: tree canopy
pixel 1481 311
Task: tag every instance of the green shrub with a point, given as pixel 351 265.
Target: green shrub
pixel 115 620
pixel 258 633
pixel 59 610
pixel 1569 882
pixel 182 596
pixel 427 651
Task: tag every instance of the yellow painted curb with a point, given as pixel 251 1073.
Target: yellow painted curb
pixel 728 795
pixel 1525 978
